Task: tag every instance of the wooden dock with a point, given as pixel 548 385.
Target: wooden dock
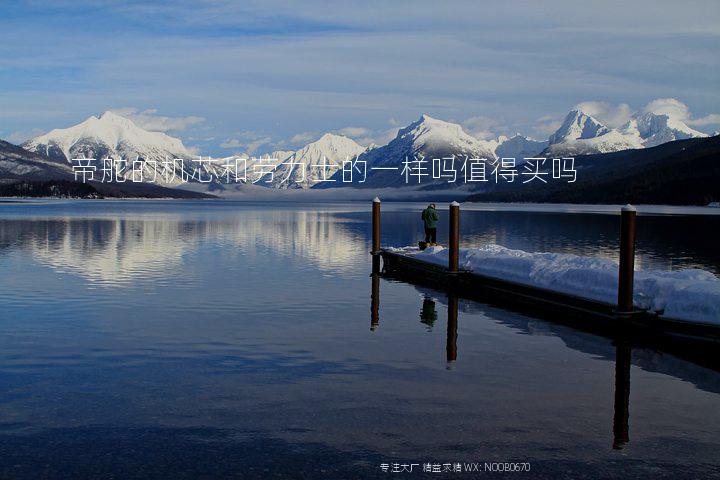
pixel 702 339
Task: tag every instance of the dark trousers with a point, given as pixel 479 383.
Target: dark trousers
pixel 430 235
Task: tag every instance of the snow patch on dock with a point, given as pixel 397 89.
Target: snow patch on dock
pixel 690 294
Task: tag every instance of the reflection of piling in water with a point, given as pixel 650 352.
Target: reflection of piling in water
pixel 626 274
pixel 454 237
pixel 452 326
pixel 375 252
pixel 621 429
pixel 375 302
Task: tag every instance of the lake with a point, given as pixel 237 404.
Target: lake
pixel 191 339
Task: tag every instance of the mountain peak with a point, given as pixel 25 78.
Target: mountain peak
pixel 303 172
pixel 108 135
pixel 654 129
pixel 111 116
pixel 332 141
pixel 578 125
pixel 332 137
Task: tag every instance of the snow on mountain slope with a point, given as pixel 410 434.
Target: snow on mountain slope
pixel 302 169
pixel 118 138
pixel 577 126
pixel 431 137
pixel 17 163
pixel 428 138
pixel 656 129
pixel 519 147
pixel 252 169
pixel 612 141
pixel 581 134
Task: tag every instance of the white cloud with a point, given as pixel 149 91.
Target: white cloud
pixel 671 107
pixel 712 119
pixel 676 109
pixel 149 119
pixel 254 145
pixel 248 140
pixel 21 136
pixel 483 128
pixel 303 138
pixel 354 132
pixel 377 137
pixel 611 115
pixel 231 143
pixel 547 125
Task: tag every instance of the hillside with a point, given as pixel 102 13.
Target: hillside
pixel 29 174
pixel 683 172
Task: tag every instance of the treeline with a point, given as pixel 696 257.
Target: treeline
pixel 49 188
pixel 685 172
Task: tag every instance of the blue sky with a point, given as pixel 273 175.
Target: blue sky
pixel 228 77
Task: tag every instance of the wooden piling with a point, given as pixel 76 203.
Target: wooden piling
pixel 626 272
pixel 454 241
pixel 375 226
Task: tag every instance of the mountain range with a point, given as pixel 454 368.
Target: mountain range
pixel 582 134
pixel 30 174
pixel 427 138
pixel 306 168
pixel 111 135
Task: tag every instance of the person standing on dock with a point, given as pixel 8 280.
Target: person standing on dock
pixel 430 219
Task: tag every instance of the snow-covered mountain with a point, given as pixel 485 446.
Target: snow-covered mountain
pixel 655 129
pixel 302 169
pixel 255 168
pixel 577 126
pixel 581 134
pixel 118 138
pixel 427 138
pixel 519 147
pixel 19 164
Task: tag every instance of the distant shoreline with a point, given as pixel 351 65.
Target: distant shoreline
pixel 402 204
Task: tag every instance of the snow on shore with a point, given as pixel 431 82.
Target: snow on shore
pixel 689 294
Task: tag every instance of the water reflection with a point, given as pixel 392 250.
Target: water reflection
pixel 452 329
pixel 621 428
pixel 118 251
pixel 428 314
pixel 254 326
pixel 117 247
pixel 375 301
pixel 622 358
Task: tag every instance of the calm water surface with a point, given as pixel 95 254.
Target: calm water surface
pixel 219 339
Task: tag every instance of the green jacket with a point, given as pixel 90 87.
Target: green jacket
pixel 430 217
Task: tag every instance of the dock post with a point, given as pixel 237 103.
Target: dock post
pixel 375 252
pixel 627 260
pixel 454 237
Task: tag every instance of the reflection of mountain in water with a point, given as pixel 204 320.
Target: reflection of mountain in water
pixel 117 251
